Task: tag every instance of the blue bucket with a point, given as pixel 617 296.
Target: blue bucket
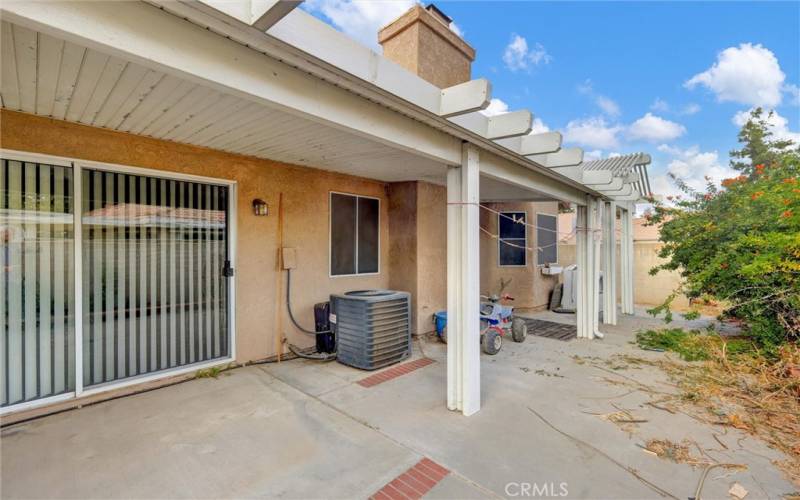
pixel 440 319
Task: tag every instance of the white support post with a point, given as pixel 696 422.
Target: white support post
pixel 595 236
pixel 588 261
pixel 626 257
pixel 609 263
pixel 454 288
pixel 463 284
pixel 582 261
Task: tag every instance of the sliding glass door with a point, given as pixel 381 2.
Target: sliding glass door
pixel 155 297
pixel 152 276
pixel 37 351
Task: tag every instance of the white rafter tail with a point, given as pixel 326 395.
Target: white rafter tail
pixel 565 157
pixel 632 178
pixel 625 190
pixel 600 178
pixel 533 144
pixel 466 97
pixel 514 124
pixel 260 14
pixel 635 197
pixel 266 13
pixel 574 172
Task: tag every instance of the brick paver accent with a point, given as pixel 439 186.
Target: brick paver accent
pixel 394 372
pixel 413 483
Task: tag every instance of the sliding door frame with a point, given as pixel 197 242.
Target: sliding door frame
pixel 78 165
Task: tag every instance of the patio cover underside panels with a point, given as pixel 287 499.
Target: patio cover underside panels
pixel 49 77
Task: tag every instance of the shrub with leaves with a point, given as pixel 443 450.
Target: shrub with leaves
pixel 740 243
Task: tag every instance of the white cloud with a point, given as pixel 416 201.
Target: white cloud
pixel 747 74
pixel 518 56
pixel 794 93
pixel 777 124
pixel 693 166
pixel 593 132
pixel 655 129
pixel 595 154
pixel 605 103
pixel 360 19
pixel 690 109
pixel 496 107
pixel 660 105
pixel 539 127
pixel 608 106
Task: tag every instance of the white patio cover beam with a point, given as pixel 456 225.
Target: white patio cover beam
pixel 625 190
pixel 609 263
pixel 260 14
pixel 502 170
pixel 601 178
pixel 463 284
pixel 148 36
pixel 465 97
pixel 565 157
pixel 533 144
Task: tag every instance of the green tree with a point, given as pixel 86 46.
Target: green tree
pixel 740 244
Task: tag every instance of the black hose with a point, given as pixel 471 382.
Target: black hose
pixel 316 356
pixel 289 307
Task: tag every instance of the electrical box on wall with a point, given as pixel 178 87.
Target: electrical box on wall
pixel 289 257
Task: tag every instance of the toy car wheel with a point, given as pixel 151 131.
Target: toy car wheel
pixel 491 341
pixel 519 329
pixel 443 335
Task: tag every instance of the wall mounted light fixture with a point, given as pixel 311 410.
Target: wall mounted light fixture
pixel 260 207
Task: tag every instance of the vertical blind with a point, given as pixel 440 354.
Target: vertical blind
pixel 37 351
pixel 154 292
pixel 153 254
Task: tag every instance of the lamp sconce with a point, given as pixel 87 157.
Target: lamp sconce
pixel 260 207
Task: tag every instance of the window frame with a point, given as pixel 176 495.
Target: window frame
pixel 330 235
pixel 511 213
pixel 554 216
pixel 77 165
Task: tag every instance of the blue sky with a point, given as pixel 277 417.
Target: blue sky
pixel 671 79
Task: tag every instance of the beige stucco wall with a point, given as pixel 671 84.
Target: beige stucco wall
pixel 305 194
pixel 418 248
pixel 647 290
pixel 529 287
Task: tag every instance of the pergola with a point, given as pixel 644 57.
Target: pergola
pixel 259 77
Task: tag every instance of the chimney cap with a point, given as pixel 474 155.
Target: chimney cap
pixel 436 11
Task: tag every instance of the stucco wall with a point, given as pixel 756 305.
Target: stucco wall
pixel 305 194
pixel 530 288
pixel 647 290
pixel 418 248
pixel 431 253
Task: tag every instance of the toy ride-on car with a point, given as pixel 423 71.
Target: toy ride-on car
pixel 496 319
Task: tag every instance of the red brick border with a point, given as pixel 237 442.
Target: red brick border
pixel 394 372
pixel 413 483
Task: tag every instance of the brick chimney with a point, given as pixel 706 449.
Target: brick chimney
pixel 422 42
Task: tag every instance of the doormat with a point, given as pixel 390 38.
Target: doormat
pixel 551 330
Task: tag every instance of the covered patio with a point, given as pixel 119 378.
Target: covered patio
pixel 299 429
pixel 280 85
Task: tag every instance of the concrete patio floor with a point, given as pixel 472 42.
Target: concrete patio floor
pixel 301 429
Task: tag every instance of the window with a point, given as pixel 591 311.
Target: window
pixel 546 239
pixel 355 234
pixel 513 238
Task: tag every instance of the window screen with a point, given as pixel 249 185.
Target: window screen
pixel 546 239
pixel 354 234
pixel 513 238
